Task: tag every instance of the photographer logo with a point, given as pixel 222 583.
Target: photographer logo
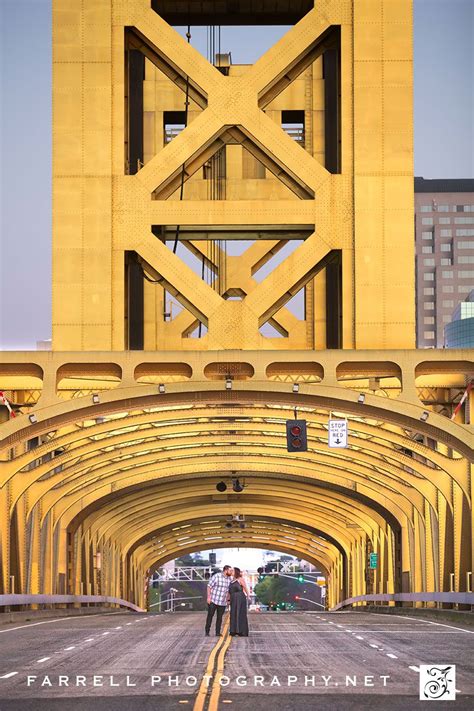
pixel 438 682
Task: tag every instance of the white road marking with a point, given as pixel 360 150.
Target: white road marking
pixel 358 637
pixel 428 622
pixel 349 631
pixel 129 623
pixel 7 676
pixel 104 633
pixel 119 627
pixel 43 659
pixel 90 639
pixel 299 632
pixel 392 656
pixel 412 631
pixel 417 669
pixel 375 646
pixel 68 649
pixel 61 619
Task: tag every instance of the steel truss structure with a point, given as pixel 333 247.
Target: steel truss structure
pixel 110 467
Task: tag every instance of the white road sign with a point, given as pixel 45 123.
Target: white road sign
pixel 337 433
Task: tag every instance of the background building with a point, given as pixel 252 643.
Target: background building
pixel 460 332
pixel 444 233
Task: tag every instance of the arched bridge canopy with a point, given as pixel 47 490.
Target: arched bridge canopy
pixel 114 486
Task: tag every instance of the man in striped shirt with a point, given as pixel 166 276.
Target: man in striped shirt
pixel 217 591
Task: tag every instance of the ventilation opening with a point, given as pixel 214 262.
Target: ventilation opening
pixel 293 123
pixel 232 12
pixel 173 123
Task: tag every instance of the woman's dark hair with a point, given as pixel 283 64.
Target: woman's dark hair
pixel 237 572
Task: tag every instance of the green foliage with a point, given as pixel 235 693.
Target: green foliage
pixel 279 593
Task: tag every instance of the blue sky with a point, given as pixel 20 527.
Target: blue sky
pixel 444 60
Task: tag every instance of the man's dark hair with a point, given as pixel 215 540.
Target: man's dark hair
pixel 226 567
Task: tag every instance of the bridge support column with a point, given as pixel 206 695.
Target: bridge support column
pixel 462 539
pixel 430 550
pixel 446 545
pixel 4 540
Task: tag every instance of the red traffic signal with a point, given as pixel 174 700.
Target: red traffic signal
pixel 297 597
pixel 296 439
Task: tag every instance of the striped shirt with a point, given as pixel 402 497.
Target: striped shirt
pixel 219 587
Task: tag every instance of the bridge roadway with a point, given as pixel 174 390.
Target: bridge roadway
pixel 127 652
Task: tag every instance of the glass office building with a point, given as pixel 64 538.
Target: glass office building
pixel 460 332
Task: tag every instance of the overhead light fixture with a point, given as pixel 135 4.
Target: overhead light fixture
pixel 161 388
pixel 32 418
pixel 95 398
pixel 237 486
pixel 424 415
pixel 228 383
pixel 296 387
pixel 361 398
pixel 221 486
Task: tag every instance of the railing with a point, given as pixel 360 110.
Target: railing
pixel 296 133
pixel 460 598
pixel 17 599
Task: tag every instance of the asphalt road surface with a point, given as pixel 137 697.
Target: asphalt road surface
pixel 289 662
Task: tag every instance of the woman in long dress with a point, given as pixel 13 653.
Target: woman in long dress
pixel 238 593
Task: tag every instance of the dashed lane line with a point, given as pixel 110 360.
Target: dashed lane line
pixel 392 656
pixel 7 676
pixel 68 649
pixel 43 659
pixel 416 669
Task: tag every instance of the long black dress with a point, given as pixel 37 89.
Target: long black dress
pixel 238 610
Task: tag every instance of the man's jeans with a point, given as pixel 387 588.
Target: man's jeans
pixel 211 609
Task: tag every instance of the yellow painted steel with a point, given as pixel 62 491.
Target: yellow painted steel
pixel 110 467
pixel 102 209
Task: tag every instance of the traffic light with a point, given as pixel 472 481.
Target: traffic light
pixel 297 597
pixel 261 574
pixel 301 578
pixel 296 439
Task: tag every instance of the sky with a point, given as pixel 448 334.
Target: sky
pixel 444 77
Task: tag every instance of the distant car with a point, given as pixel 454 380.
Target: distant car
pixel 254 608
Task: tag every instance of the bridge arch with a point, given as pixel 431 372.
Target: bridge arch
pixel 105 478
